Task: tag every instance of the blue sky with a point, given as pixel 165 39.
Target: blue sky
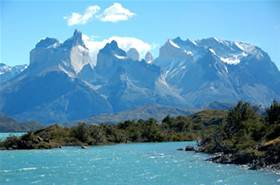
pixel 24 23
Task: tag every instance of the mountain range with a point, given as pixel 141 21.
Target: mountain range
pixel 63 84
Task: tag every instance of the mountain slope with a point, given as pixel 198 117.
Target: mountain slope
pixel 210 70
pixel 52 97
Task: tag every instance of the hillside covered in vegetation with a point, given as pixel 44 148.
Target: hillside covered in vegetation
pixel 246 137
pixel 179 128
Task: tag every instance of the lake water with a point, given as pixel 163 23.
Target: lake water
pixel 124 164
pixel 7 134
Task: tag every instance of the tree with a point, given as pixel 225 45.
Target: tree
pixel 273 113
pixel 240 114
pixel 80 132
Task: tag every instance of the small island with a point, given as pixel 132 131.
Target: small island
pixel 243 135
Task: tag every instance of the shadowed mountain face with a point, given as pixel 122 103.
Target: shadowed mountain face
pixel 62 84
pixel 53 97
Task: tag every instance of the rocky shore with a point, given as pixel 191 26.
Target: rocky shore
pixel 269 160
pixel 245 138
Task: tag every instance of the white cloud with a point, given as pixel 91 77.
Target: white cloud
pixel 77 18
pixel 115 13
pixel 124 43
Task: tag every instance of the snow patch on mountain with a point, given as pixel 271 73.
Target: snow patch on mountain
pixel 231 60
pixel 120 57
pixel 212 51
pixel 173 44
pixel 188 52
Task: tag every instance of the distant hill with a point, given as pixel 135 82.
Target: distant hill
pixel 152 111
pixel 8 124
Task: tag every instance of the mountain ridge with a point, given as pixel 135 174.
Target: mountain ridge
pixel 62 84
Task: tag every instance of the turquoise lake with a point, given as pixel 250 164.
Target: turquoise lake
pixel 7 134
pixel 124 164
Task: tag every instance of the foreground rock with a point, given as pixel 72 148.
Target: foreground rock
pixel 266 155
pixel 187 148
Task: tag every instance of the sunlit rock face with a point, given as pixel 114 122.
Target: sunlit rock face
pixel 50 55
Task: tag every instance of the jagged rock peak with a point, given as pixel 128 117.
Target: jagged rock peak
pixel 47 42
pixel 113 49
pixel 112 45
pixel 75 40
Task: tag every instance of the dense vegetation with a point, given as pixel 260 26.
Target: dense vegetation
pixel 180 128
pixel 246 137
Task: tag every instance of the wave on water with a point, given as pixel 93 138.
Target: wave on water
pixel 156 155
pixel 20 169
pixel 27 169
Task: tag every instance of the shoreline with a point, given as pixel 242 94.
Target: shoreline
pixel 218 159
pixel 214 158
